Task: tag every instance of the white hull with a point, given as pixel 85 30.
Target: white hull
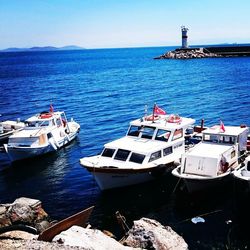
pixel 108 181
pixel 22 153
pixel 197 183
pixel 115 178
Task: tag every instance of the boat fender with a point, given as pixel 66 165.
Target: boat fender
pixel 152 118
pixel 64 123
pixel 224 166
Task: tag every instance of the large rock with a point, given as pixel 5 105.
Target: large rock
pixel 24 211
pixel 150 234
pixel 90 239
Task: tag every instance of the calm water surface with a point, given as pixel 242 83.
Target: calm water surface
pixel 103 90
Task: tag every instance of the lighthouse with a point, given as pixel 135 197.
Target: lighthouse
pixel 184 37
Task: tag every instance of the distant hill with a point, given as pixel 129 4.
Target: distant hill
pixel 46 48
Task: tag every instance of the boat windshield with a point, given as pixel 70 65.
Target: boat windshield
pixel 162 135
pixel 147 132
pixel 220 138
pixel 38 123
pixel 134 130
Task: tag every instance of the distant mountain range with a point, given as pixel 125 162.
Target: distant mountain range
pixel 46 48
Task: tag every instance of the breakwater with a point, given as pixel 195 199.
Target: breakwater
pixel 205 52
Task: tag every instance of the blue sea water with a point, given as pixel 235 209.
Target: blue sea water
pixel 104 90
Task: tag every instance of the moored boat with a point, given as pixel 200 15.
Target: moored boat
pixel 43 133
pixel 7 128
pixel 149 148
pixel 243 173
pixel 211 161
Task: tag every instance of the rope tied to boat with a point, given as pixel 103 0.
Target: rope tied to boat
pixel 122 221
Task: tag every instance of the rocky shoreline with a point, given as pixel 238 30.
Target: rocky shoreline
pixel 145 234
pixel 188 54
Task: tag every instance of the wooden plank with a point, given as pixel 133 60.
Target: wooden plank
pixel 79 219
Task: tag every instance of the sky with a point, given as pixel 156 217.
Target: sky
pixel 122 23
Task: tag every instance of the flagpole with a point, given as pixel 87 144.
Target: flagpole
pixel 154 113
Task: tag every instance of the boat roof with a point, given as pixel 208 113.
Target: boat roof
pixel 37 117
pixel 163 123
pixel 27 133
pixel 207 149
pixel 138 145
pixel 229 130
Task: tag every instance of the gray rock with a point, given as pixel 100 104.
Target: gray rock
pixel 21 213
pixel 90 239
pixel 150 234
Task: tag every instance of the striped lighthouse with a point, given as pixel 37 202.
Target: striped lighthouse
pixel 184 36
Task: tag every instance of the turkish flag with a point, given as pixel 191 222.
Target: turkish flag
pixel 222 127
pixel 159 111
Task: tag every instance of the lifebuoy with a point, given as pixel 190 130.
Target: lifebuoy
pixel 46 115
pixel 174 119
pixel 152 118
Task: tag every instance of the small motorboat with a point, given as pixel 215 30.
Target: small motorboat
pixel 212 160
pixel 43 133
pixel 7 128
pixel 148 150
pixel 243 173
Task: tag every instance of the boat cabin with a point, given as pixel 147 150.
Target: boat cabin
pixel 148 141
pixel 216 153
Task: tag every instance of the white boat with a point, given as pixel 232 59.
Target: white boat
pixel 7 128
pixel 149 148
pixel 212 160
pixel 44 132
pixel 243 173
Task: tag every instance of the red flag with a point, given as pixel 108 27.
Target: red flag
pixel 222 127
pixel 51 108
pixel 159 111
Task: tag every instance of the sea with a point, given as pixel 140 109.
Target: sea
pixel 103 90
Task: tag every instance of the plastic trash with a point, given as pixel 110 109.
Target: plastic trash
pixel 196 220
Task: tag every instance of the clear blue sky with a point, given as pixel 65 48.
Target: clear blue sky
pixel 122 23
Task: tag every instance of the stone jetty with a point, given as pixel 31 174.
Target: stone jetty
pixel 193 53
pixel 145 234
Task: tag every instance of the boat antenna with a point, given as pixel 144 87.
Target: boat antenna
pixel 146 111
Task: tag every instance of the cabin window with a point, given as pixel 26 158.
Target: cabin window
pixel 210 138
pixel 178 133
pixel 108 152
pixel 233 153
pixel 122 155
pixel 162 135
pixel 137 158
pixel 147 132
pixel 155 156
pixel 167 151
pixel 134 131
pixel 49 135
pixel 58 122
pixel 248 166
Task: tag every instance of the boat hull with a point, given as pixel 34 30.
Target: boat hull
pixel 243 176
pixel 197 183
pixel 109 178
pixel 23 153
